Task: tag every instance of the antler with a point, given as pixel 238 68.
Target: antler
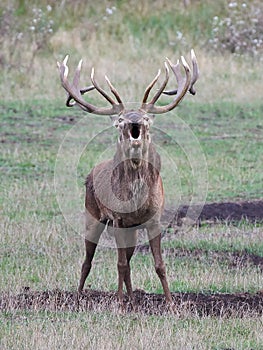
pixel 74 92
pixel 193 80
pixel 184 85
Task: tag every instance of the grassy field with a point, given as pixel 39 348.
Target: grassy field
pixel 113 331
pixel 211 148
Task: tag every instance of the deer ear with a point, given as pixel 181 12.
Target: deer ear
pixel 114 119
pixel 152 116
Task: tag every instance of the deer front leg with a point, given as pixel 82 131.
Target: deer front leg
pixel 93 232
pixel 86 266
pixel 155 244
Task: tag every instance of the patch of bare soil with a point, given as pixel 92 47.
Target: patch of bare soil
pixel 223 305
pixel 226 211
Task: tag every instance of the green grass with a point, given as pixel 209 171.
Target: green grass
pixel 111 331
pixel 40 250
pixel 225 140
pixel 49 255
pixel 32 133
pixel 221 237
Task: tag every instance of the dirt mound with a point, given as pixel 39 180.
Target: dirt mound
pixel 240 304
pixel 227 211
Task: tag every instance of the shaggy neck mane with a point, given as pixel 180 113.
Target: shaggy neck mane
pixel 147 168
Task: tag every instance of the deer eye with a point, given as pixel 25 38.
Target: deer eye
pixel 120 119
pixel 147 121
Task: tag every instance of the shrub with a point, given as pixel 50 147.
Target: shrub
pixel 241 31
pixel 19 34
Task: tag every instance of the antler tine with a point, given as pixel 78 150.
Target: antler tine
pixel 99 89
pixel 195 76
pixel 82 91
pixel 159 91
pixel 113 90
pixel 74 92
pixel 76 83
pixel 87 89
pixel 63 68
pixel 149 87
pixel 183 86
pixel 195 73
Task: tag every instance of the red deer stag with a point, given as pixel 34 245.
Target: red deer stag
pixel 126 192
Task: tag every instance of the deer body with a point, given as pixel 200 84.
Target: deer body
pixel 134 201
pixel 126 192
pixel 136 188
pixel 128 187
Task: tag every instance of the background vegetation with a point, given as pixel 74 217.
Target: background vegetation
pixel 128 41
pixel 112 36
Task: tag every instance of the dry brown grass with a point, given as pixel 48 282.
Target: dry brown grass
pixel 129 56
pixel 222 78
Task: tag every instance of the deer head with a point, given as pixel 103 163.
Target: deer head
pixel 133 125
pixel 134 136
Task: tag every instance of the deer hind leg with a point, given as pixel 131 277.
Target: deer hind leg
pixel 126 241
pixel 155 244
pixel 94 230
pixel 131 244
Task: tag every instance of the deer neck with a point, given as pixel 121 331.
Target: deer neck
pixel 146 167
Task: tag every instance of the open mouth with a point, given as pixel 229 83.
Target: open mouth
pixel 135 149
pixel 135 131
